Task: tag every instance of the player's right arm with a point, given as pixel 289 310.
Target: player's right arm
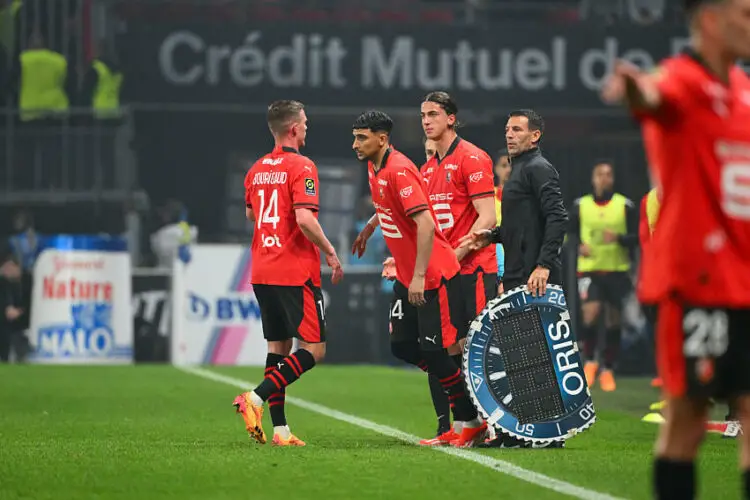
pixel 655 93
pixel 631 86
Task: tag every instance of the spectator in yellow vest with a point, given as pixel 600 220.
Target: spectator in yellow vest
pixel 43 82
pixel 102 85
pixel 605 224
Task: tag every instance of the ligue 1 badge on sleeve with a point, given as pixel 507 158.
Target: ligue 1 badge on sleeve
pixel 523 368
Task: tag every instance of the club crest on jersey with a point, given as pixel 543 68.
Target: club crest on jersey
pixel 382 193
pixel 309 187
pixel 523 368
pixel 448 176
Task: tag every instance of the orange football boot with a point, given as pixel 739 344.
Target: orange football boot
pixel 291 441
pixel 253 416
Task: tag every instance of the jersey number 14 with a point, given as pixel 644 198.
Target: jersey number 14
pixel 268 214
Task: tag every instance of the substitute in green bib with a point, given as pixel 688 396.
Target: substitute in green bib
pixel 605 225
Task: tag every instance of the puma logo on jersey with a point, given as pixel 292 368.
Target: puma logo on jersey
pixel 433 339
pixel 402 173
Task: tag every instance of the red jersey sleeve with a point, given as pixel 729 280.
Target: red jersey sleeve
pixel 644 233
pixel 248 189
pixel 305 185
pixel 409 190
pixel 477 173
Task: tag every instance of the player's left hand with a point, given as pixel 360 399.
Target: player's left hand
pixel 537 284
pixel 389 269
pixel 416 291
pixel 609 236
pixel 333 262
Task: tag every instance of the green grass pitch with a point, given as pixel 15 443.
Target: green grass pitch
pixel 142 432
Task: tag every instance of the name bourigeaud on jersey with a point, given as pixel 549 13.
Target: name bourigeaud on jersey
pixel 269 178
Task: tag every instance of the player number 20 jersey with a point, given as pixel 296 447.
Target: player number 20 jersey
pixel 275 186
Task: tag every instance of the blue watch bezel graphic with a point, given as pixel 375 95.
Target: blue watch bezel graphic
pixel 579 412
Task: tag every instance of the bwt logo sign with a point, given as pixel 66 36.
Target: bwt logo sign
pixel 237 307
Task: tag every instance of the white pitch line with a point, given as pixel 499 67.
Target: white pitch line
pixel 501 466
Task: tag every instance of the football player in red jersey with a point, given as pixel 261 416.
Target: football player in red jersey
pixel 427 314
pixel 460 185
pixel 696 265
pixel 281 194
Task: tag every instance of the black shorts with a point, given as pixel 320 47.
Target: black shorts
pixel 291 311
pixel 703 352
pixel 610 288
pixel 478 289
pixel 437 324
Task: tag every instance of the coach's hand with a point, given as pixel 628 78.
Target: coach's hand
pixel 416 291
pixel 537 284
pixel 333 262
pixel 360 243
pixel 475 241
pixel 389 269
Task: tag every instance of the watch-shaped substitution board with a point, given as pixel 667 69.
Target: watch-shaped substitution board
pixel 523 368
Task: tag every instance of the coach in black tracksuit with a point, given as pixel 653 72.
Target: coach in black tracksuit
pixel 534 219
